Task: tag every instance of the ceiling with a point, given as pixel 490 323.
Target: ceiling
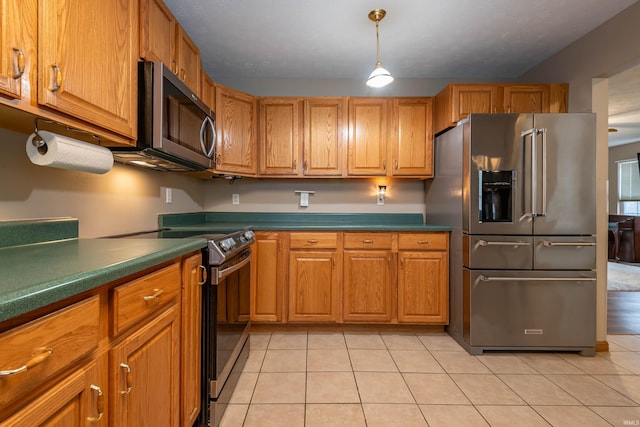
pixel 464 40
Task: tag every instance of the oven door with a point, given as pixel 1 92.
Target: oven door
pixel 229 305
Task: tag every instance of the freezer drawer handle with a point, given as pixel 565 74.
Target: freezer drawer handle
pixel 514 244
pixel 549 244
pixel 484 278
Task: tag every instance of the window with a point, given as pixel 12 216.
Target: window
pixel 628 187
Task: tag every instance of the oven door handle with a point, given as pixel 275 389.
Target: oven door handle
pixel 226 271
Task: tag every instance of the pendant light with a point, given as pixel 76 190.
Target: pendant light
pixel 379 77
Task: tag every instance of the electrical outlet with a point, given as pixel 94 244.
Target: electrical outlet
pixel 235 199
pixel 169 195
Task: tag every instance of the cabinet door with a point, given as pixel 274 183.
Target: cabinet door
pixel 236 124
pixel 324 136
pixel 313 286
pixel 279 127
pixel 188 57
pixel 526 98
pixel 76 401
pixel 145 374
pixel 368 134
pixel 367 286
pixel 158 33
pixel 413 138
pixel 17 45
pixel 469 99
pixel 87 61
pixel 208 92
pixel 191 339
pixel 269 277
pixel 423 287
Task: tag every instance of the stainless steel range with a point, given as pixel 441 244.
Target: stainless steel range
pixel 226 324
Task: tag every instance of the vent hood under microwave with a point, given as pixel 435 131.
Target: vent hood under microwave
pixel 176 130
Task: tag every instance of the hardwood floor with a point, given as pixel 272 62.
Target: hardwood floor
pixel 623 313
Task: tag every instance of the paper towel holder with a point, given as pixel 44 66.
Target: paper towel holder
pixel 39 143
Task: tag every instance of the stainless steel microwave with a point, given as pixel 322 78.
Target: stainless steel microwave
pixel 176 130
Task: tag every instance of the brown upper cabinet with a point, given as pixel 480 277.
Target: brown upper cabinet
pixel 457 101
pixel 17 44
pixel 368 135
pixel 236 146
pixel 208 92
pixel 412 140
pixel 87 61
pixel 163 39
pixel 279 136
pixel 301 136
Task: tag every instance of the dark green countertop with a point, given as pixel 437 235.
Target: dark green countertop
pixel 38 274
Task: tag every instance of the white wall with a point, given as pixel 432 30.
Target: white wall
pixel 609 49
pixel 125 199
pixel 331 195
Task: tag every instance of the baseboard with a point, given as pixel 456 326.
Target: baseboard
pixel 602 346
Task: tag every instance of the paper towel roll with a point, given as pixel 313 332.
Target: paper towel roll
pixel 68 153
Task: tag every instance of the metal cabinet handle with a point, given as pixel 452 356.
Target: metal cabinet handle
pixel 384 165
pixel 305 165
pixel 312 241
pixel 183 74
pixel 203 275
pixel 56 78
pixel 549 244
pixel 43 355
pixel 18 63
pixel 295 164
pixel 99 404
pixel 367 241
pixel 128 379
pixel 396 164
pixel 333 262
pixel 402 263
pixel 423 242
pixel 157 294
pixel 388 263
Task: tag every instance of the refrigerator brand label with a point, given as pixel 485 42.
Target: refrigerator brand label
pixel 533 331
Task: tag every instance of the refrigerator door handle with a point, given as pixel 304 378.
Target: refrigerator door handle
pixel 549 244
pixel 543 131
pixel 530 211
pixel 514 244
pixel 484 278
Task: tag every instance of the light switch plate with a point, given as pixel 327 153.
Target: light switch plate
pixel 235 199
pixel 304 199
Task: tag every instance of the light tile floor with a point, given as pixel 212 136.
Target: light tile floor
pixel 308 379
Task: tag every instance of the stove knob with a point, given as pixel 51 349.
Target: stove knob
pixel 248 235
pixel 226 244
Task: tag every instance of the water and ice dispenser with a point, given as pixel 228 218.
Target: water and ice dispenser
pixel 496 196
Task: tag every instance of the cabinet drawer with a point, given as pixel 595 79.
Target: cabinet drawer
pixel 368 240
pixel 138 298
pixel 33 353
pixel 424 241
pixel 314 240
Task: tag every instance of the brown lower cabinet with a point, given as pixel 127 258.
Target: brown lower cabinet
pixel 351 277
pixel 111 358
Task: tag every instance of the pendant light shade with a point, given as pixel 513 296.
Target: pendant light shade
pixel 380 76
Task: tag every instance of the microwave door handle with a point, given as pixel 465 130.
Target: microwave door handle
pixel 207 151
pixel 529 209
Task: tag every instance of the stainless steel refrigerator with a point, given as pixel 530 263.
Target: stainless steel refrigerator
pixel 519 192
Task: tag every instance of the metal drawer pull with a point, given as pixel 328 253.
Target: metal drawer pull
pixel 423 242
pixel 367 241
pixel 99 404
pixel 313 241
pixel 18 65
pixel 158 293
pixel 535 279
pixel 56 78
pixel 204 275
pixel 128 379
pixel 35 360
pixel 514 244
pixel 549 244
